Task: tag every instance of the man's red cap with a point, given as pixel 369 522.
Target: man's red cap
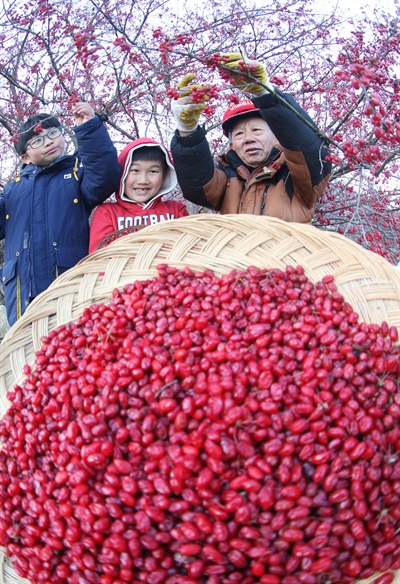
pixel 245 108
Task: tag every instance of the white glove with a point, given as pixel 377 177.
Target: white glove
pixel 239 66
pixel 187 111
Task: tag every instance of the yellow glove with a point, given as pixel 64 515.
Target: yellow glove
pixel 190 103
pixel 239 66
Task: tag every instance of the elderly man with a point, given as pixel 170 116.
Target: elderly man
pixel 276 164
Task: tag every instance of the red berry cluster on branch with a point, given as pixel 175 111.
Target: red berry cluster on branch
pixel 375 109
pixel 214 61
pixel 226 75
pixel 205 92
pixel 183 40
pixel 165 47
pixel 203 429
pixel 86 53
pixel 173 93
pixel 72 101
pixel 198 94
pixel 158 33
pixel 209 110
pixel 122 44
pixel 82 38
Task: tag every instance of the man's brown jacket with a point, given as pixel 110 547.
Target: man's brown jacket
pixel 287 186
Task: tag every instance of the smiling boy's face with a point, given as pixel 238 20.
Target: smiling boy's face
pixel 51 149
pixel 143 180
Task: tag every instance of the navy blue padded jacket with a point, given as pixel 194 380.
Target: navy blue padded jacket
pixel 44 215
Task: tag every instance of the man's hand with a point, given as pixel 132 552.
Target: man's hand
pixel 189 105
pixel 241 68
pixel 82 113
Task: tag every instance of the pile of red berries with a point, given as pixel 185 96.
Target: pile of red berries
pixel 203 429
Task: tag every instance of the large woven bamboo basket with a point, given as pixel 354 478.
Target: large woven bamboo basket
pixel 220 243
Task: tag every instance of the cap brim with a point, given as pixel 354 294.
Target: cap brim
pixel 227 125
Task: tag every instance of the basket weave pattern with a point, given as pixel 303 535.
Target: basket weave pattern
pixel 220 243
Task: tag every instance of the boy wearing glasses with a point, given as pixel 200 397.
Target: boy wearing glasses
pixel 44 213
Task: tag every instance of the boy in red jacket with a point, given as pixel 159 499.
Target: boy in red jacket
pixel 147 174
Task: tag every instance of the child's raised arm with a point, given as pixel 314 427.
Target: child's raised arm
pixel 82 113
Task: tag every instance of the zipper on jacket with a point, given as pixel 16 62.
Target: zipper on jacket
pixel 75 169
pixel 18 311
pixel 263 201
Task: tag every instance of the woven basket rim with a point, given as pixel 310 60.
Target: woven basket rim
pixel 195 224
pixel 205 239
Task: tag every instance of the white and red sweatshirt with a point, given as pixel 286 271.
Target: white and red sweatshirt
pixel 124 213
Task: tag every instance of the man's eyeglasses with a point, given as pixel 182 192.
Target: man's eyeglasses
pixel 39 141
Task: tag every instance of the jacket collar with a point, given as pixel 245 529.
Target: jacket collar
pixel 27 169
pixel 264 171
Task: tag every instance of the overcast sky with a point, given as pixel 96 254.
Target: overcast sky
pixel 355 7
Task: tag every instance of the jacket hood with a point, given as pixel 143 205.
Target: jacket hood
pixel 125 160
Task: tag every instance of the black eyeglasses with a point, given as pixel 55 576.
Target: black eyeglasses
pixel 39 141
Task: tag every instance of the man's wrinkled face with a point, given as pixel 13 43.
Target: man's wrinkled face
pixel 253 140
